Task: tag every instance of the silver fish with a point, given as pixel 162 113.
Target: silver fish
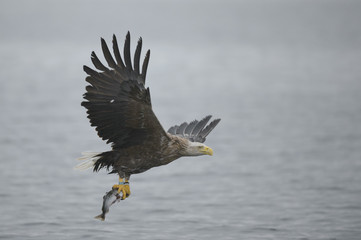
pixel 109 199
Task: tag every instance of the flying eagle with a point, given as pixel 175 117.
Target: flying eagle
pixel 119 106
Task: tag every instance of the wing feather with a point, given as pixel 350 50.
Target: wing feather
pixel 195 131
pixel 97 63
pixel 200 125
pixel 117 102
pixel 204 133
pixel 108 57
pixel 172 130
pixel 181 128
pixel 145 66
pixel 127 57
pixel 137 56
pixel 117 53
pixel 190 127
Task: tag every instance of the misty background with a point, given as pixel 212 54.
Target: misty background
pixel 283 75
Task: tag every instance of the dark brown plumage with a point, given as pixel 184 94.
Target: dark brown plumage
pixel 119 107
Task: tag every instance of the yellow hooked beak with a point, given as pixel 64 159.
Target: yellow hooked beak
pixel 207 151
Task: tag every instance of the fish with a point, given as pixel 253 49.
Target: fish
pixel 109 199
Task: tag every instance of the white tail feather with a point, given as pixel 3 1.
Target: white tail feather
pixel 89 159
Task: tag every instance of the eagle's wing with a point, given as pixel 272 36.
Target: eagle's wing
pixel 118 104
pixel 195 131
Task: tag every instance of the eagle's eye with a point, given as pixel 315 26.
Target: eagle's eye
pixel 200 147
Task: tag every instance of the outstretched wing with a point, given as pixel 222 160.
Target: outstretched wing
pixel 195 131
pixel 118 104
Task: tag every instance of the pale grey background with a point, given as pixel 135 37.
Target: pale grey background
pixel 283 75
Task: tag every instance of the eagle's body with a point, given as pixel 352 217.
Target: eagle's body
pixel 119 106
pixel 140 158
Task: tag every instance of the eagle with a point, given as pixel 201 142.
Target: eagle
pixel 119 107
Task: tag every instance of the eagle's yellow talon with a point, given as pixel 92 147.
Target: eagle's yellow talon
pixel 124 188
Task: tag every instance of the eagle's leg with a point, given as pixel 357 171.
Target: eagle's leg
pixel 123 187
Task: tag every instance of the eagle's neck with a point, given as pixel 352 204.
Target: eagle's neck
pixel 174 148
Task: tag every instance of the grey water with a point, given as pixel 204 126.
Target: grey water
pixel 284 76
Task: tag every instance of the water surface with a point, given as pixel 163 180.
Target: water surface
pixel 284 77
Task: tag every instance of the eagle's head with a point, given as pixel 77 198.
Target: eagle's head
pixel 197 149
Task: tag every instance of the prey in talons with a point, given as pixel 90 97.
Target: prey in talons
pixel 109 199
pixel 123 187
